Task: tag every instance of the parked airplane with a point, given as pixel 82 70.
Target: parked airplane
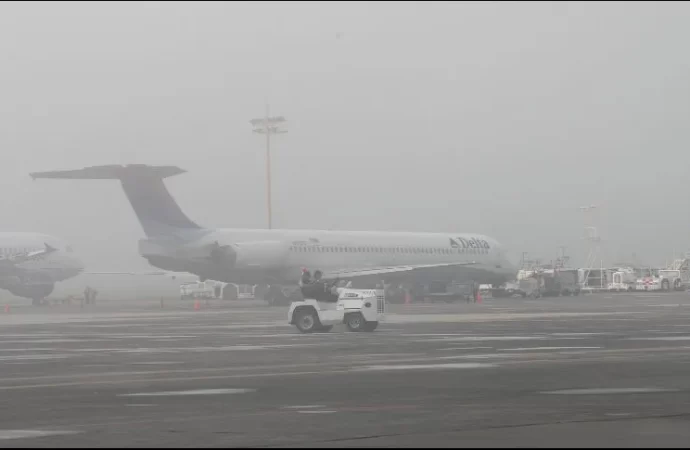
pixel 31 264
pixel 275 257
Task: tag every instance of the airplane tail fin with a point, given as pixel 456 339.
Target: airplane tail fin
pixel 157 211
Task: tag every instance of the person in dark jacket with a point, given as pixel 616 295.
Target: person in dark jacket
pixel 306 277
pixel 475 291
pixel 87 295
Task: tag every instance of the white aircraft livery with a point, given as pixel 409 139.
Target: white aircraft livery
pixel 31 264
pixel 275 257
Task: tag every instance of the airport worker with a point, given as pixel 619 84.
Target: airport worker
pixel 475 291
pixel 306 277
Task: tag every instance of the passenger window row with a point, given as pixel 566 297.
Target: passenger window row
pixel 14 251
pixel 389 250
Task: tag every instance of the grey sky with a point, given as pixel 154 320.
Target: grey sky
pixel 500 118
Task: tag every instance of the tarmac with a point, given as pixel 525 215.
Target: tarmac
pixel 596 370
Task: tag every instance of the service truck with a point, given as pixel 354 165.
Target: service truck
pixel 622 280
pixel 675 279
pixel 569 281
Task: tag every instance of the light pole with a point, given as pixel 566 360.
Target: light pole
pixel 594 243
pixel 563 259
pixel 268 125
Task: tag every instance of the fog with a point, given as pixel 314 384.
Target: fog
pixel 496 118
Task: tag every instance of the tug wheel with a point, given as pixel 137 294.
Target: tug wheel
pixel 355 322
pixel 306 320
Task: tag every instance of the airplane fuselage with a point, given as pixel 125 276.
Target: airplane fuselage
pixel 250 256
pixel 34 277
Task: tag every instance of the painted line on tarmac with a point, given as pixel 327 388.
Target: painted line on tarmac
pixel 189 392
pixel 527 349
pixel 609 391
pixel 27 434
pixel 423 367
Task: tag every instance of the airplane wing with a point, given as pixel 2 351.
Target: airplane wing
pixel 132 273
pixel 377 271
pixel 13 260
pixel 171 275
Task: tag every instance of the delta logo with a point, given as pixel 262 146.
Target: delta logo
pixel 469 243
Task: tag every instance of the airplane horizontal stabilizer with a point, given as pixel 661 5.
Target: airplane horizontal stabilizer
pixel 111 172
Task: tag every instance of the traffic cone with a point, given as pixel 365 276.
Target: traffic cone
pixel 7 308
pixel 197 305
pixel 479 297
pixel 408 297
